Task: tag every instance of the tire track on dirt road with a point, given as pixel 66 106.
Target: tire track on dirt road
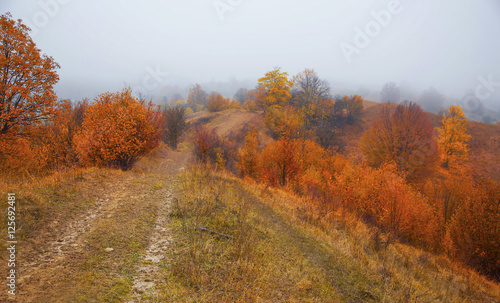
pixel 148 271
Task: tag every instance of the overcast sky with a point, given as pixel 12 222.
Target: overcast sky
pixel 100 45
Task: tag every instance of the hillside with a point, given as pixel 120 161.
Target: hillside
pixel 484 146
pixel 232 122
pixel 286 186
pixel 243 242
pixel 484 155
pixel 171 231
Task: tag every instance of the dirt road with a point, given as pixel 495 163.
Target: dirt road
pixel 112 250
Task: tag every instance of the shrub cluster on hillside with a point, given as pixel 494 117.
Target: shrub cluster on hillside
pixel 114 131
pixel 39 133
pixel 415 184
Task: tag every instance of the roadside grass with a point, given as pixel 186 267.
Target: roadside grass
pixel 259 263
pixel 43 201
pixel 285 250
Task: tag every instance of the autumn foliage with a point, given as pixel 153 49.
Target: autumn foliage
pixel 214 151
pixel 27 78
pixel 378 195
pixel 404 137
pixel 173 125
pixel 276 87
pixel 216 102
pixel 472 235
pixel 39 133
pixel 27 99
pixel 117 130
pixel 279 162
pixel 248 156
pixel 453 137
pixel 402 191
pixel 398 187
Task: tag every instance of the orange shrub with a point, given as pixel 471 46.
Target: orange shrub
pixel 117 130
pixel 216 102
pixel 44 146
pixel 248 156
pixel 380 195
pixel 18 156
pixel 279 162
pixel 58 135
pixel 447 190
pixel 473 234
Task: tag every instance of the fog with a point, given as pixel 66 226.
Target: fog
pixel 453 46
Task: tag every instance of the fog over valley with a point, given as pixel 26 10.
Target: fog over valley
pixel 357 46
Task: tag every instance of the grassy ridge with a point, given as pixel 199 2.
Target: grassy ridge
pixel 285 251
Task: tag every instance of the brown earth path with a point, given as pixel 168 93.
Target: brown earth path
pixel 54 267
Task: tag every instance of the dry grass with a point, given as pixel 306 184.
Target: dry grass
pixel 260 264
pixel 233 121
pixel 398 272
pixel 41 199
pixel 285 250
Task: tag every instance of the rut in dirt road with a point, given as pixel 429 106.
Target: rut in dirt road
pixel 147 276
pixel 148 271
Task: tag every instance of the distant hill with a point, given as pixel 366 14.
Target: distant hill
pixel 484 146
pixel 233 121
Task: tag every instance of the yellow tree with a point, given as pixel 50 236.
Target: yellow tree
pixel 284 121
pixel 197 98
pixel 27 78
pixel 453 137
pixel 249 155
pixel 277 88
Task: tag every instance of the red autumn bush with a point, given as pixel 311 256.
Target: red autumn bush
pixel 383 197
pixel 209 148
pixel 117 130
pixel 473 233
pixel 279 162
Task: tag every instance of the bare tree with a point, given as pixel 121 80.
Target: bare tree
pixel 174 125
pixel 240 95
pixel 309 88
pixel 431 100
pixel 390 93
